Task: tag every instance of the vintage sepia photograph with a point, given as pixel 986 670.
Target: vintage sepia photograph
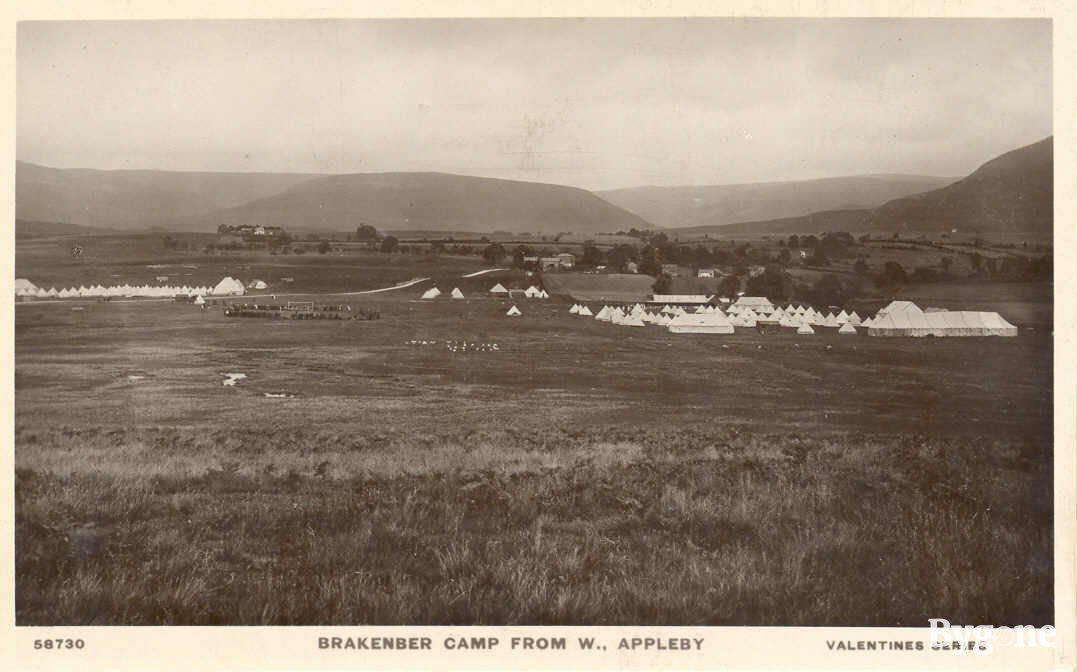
pixel 534 321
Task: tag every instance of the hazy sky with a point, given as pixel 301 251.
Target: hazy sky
pixel 595 103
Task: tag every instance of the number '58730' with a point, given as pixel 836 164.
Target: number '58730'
pixel 54 644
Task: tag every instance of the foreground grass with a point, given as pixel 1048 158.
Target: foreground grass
pixel 678 526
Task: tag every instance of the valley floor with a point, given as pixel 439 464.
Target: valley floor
pixel 580 473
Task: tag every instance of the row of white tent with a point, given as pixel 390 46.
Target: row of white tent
pixel 228 286
pixel 900 318
pixel 117 290
pixel 434 293
pixel 704 319
pixel 531 292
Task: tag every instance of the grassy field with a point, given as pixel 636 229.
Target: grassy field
pixel 580 473
pixel 609 287
pixel 139 259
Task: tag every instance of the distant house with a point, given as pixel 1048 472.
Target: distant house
pixel 250 231
pixel 672 270
pixel 531 260
pixel 549 263
pixel 568 260
pixel 706 273
pixel 631 267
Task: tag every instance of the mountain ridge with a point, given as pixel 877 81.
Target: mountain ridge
pixel 720 204
pixel 1010 193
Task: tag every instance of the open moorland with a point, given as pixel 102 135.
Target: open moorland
pixel 448 464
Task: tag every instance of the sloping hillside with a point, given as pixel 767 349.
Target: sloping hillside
pixel 713 205
pixel 27 229
pixel 816 222
pixel 134 199
pixel 1013 193
pixel 429 201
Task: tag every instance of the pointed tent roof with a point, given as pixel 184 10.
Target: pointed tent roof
pixel 456 293
pixel 584 310
pixel 756 303
pixel 199 300
pixel 895 307
pixel 513 311
pixel 575 309
pixel 805 329
pixel 227 286
pixel 498 289
pixel 716 323
pixel 431 293
pixel 632 320
pixel 603 314
pixel 847 329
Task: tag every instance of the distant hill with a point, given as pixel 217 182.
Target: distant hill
pixel 1013 193
pixel 135 199
pixel 853 221
pixel 30 229
pixel 715 205
pixel 428 202
pixel 181 201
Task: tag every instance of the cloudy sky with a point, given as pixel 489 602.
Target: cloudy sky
pixel 594 103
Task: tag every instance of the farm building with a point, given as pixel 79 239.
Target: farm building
pixel 706 273
pixel 672 270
